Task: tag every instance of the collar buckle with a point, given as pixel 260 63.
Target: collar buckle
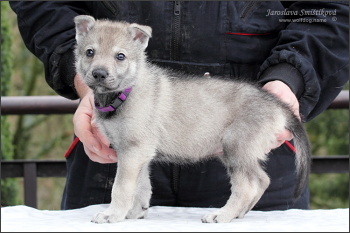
pixel 122 96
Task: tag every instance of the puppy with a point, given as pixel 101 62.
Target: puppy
pixel 144 109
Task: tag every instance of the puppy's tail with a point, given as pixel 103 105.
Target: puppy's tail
pixel 303 154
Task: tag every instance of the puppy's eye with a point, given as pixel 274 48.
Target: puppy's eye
pixel 90 53
pixel 120 56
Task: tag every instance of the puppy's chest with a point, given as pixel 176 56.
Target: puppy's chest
pixel 114 128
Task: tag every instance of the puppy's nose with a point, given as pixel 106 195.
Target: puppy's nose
pixel 99 74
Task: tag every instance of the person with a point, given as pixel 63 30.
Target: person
pixel 295 50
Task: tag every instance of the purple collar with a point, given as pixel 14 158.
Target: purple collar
pixel 116 103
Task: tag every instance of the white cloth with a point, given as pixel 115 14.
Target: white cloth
pixel 175 219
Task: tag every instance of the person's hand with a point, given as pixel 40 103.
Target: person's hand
pixel 95 144
pixel 284 93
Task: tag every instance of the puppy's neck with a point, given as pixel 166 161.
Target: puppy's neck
pixel 105 99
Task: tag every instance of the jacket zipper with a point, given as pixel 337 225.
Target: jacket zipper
pixel 110 7
pixel 175 56
pixel 176 32
pixel 247 9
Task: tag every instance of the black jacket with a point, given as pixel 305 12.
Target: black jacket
pixel 304 44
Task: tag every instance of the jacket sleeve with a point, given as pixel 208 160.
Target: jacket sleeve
pixel 48 31
pixel 312 55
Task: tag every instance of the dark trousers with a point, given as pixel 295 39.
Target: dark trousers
pixel 204 184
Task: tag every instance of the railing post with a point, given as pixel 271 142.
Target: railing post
pixel 30 184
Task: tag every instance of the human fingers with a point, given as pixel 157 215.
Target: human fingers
pixel 87 133
pixel 93 156
pixel 285 94
pixel 105 149
pixel 285 135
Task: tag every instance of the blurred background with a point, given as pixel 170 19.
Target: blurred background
pixel 47 137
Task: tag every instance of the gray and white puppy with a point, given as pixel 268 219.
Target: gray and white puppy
pixel 184 118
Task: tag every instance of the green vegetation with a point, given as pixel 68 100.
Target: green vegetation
pixel 329 135
pixel 329 191
pixel 28 136
pixel 8 186
pixel 48 137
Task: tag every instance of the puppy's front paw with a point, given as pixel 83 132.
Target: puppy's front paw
pixel 107 217
pixel 137 212
pixel 219 216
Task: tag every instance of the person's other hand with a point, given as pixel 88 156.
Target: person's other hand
pixel 95 144
pixel 285 94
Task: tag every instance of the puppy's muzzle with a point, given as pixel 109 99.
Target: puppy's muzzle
pixel 99 74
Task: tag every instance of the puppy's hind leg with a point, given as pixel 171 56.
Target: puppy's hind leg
pixel 248 182
pixel 247 187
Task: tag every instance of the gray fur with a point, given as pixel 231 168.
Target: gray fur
pixel 185 119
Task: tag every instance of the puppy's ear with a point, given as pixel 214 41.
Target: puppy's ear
pixel 140 33
pixel 83 24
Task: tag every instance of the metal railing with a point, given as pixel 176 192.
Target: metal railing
pixel 30 170
pixel 19 105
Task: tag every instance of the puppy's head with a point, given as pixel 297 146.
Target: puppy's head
pixel 109 53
